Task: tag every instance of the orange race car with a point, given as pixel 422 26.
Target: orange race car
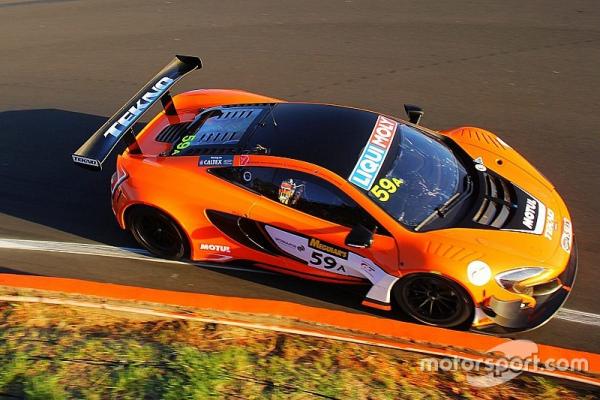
pixel 454 228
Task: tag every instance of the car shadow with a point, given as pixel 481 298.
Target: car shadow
pixel 39 183
pixel 4 270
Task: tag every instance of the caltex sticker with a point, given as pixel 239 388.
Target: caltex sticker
pixel 215 161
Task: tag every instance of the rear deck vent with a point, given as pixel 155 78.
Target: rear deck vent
pixel 173 133
pixel 226 126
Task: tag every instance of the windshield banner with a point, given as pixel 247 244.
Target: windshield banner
pixel 373 155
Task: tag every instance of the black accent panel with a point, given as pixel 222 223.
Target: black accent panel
pixel 226 126
pixel 168 105
pixel 326 135
pixel 243 230
pixel 499 203
pixel 258 235
pixel 173 133
pixel 228 224
pixel 219 130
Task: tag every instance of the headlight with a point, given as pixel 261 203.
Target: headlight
pixel 510 280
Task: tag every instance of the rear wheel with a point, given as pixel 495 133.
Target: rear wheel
pixel 434 300
pixel 157 233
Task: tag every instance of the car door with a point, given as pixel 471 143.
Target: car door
pixel 308 219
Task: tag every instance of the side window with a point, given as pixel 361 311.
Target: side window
pixel 317 197
pixel 303 192
pixel 258 179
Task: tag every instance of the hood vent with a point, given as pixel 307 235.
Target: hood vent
pixel 499 203
pixel 485 137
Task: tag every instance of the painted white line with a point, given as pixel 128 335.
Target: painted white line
pixel 580 317
pixel 103 250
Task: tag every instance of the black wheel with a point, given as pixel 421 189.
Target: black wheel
pixel 434 300
pixel 157 233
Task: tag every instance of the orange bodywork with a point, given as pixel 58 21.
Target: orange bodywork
pixel 184 191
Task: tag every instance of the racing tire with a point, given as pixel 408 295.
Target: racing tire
pixel 158 233
pixel 434 300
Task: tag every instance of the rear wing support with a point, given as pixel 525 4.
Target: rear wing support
pixel 94 152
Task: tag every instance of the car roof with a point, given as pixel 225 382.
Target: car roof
pixel 329 136
pixel 326 135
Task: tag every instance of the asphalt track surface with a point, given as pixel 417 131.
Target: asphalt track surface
pixel 528 71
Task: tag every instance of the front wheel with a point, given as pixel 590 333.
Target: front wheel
pixel 434 300
pixel 157 233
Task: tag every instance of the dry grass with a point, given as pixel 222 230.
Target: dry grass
pixel 54 352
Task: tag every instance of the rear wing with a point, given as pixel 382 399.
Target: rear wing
pixel 98 147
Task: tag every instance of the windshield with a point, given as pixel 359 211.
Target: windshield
pixel 424 175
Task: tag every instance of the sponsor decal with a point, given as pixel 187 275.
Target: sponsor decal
pixel 243 160
pixel 550 224
pixel 566 239
pixel 328 257
pixel 290 192
pixel 282 242
pixel 320 255
pixel 529 217
pixel 127 119
pixel 215 247
pixel 479 273
pixel 215 161
pixel 328 248
pixel 479 166
pixel 85 160
pixel 368 269
pixel 328 263
pixel 373 155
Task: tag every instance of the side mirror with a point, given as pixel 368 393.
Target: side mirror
pixel 415 113
pixel 360 237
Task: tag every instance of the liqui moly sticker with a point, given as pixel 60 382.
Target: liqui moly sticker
pixel 373 155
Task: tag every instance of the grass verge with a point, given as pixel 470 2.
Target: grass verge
pixel 55 352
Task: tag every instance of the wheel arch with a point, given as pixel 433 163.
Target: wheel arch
pixel 403 277
pixel 443 275
pixel 139 205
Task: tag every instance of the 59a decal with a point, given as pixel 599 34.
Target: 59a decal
pixel 186 141
pixel 385 188
pixel 329 263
